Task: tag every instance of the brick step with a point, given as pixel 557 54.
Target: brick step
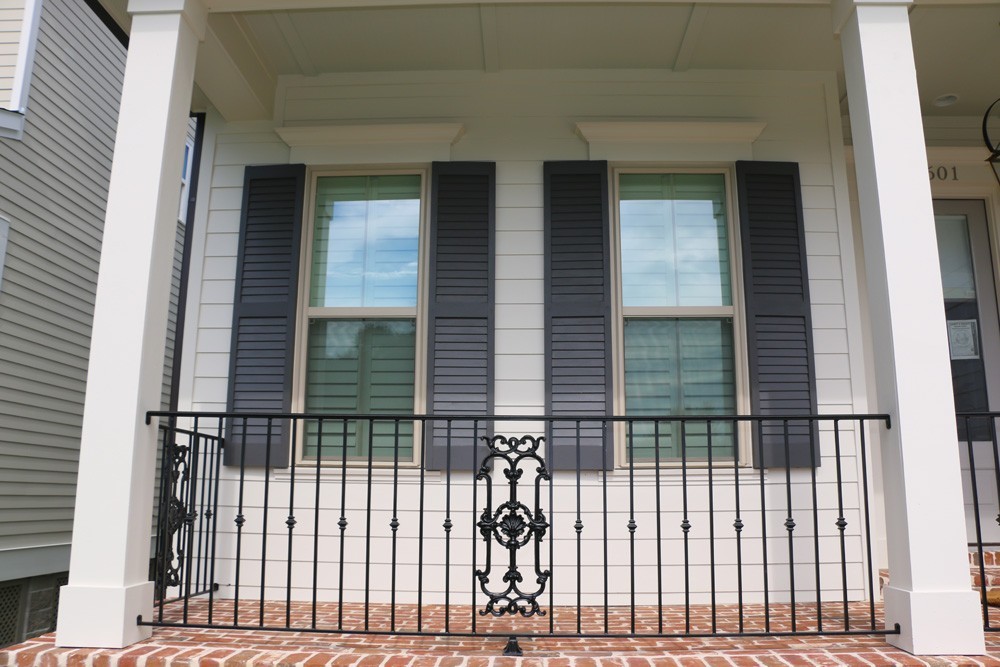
pixel 989 558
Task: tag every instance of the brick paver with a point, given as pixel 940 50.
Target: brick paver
pixel 220 647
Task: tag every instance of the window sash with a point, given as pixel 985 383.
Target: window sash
pixel 722 306
pixel 680 366
pixel 314 312
pixel 364 367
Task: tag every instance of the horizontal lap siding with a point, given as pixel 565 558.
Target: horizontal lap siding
pixel 53 188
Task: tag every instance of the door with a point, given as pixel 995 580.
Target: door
pixel 970 303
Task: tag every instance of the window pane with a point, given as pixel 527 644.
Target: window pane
pixel 961 309
pixel 366 367
pixel 955 255
pixel 680 367
pixel 674 240
pixel 365 241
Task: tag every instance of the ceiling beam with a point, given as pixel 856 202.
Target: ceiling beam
pixel 229 69
pixel 275 5
pixel 294 42
pixel 278 5
pixel 491 40
pixel 696 21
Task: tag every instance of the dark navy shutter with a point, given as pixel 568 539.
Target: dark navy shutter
pixel 779 325
pixel 578 312
pixel 264 309
pixel 460 310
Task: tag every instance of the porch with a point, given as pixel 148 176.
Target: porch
pixel 190 647
pixel 529 187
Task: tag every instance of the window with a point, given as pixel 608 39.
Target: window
pixel 361 312
pixel 678 355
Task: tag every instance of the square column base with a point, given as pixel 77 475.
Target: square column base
pixel 104 616
pixel 935 622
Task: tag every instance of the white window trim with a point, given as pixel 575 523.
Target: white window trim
pixel 737 312
pixel 304 312
pixel 12 119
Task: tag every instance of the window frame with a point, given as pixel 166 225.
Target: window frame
pixel 736 312
pixel 305 312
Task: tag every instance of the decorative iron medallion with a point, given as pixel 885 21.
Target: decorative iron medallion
pixel 513 525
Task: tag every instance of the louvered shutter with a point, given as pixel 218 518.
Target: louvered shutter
pixel 264 307
pixel 460 312
pixel 578 313
pixel 779 325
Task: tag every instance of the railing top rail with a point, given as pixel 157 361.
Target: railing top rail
pixel 538 418
pixel 983 413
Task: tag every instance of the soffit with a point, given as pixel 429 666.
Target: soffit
pixel 957 44
pixel 957 51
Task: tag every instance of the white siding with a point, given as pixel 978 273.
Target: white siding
pixel 519 120
pixel 11 19
pixel 53 186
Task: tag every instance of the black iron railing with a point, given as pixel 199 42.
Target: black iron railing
pixel 517 525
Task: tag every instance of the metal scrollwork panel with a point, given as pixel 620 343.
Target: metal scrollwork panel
pixel 512 525
pixel 174 515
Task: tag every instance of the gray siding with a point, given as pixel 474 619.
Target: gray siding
pixel 53 188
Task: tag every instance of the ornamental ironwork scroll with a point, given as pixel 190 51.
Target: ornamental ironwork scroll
pixel 173 516
pixel 513 525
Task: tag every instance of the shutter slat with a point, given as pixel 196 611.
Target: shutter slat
pixel 264 312
pixel 460 336
pixel 779 326
pixel 578 312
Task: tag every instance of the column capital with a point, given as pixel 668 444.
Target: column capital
pixel 843 9
pixel 195 12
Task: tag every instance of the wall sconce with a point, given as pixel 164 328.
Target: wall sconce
pixel 994 148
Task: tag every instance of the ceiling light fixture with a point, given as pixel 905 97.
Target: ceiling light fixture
pixel 945 100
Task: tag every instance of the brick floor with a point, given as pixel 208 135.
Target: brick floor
pixel 219 647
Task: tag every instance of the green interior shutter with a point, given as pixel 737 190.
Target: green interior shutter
pixel 578 312
pixel 779 324
pixel 264 313
pixel 460 317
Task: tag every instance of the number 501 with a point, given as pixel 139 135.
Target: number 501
pixel 943 173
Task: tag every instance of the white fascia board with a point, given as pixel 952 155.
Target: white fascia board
pixel 11 124
pixel 25 56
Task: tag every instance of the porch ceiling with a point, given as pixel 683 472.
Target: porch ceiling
pixel 957 43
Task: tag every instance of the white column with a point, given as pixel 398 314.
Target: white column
pixel 109 564
pixel 929 594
